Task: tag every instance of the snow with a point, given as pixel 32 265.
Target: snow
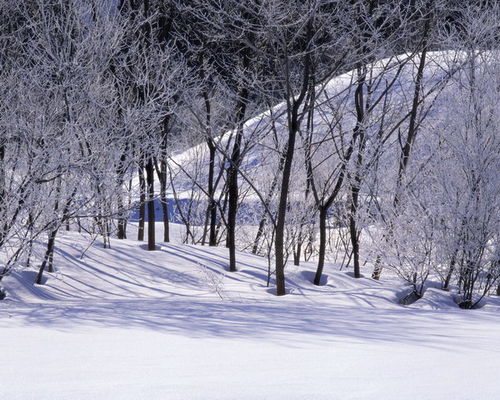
pixel 125 323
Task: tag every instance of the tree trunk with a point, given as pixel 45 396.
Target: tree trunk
pixel 122 229
pixel 377 271
pixel 163 199
pixel 267 203
pixel 451 269
pixel 356 183
pixel 279 245
pixel 231 216
pixel 162 177
pixel 2 185
pixel 150 203
pixel 297 252
pixel 412 133
pixel 30 242
pixel 50 250
pixel 211 214
pixel 122 222
pixel 233 191
pixel 48 258
pixel 412 126
pixel 322 245
pixel 212 207
pixel 142 201
pixel 49 254
pixel 353 231
pixel 355 245
pixel 293 127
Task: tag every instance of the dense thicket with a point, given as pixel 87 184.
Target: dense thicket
pixel 361 132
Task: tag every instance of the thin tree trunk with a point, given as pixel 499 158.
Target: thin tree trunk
pixel 122 223
pixel 2 184
pixel 356 183
pixel 50 250
pixel 162 177
pixel 293 127
pixel 31 224
pixel 150 203
pixel 297 251
pixel 355 245
pixel 211 213
pixel 447 281
pixel 122 220
pixel 300 235
pixel 377 271
pixel 163 199
pixel 219 231
pixel 48 258
pixel 178 207
pixel 233 190
pixel 412 127
pixel 322 245
pixel 263 220
pixel 49 254
pixel 142 201
pixel 412 133
pixel 212 208
pixel 279 241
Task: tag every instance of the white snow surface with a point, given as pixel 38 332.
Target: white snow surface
pixel 125 323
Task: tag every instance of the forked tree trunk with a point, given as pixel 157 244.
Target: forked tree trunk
pixel 293 106
pixel 279 240
pixel 323 212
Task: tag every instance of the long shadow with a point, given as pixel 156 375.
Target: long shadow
pixel 208 254
pixel 273 320
pixel 285 320
pixel 101 275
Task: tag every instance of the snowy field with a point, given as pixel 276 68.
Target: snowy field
pixel 125 323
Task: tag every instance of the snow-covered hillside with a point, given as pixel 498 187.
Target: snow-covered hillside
pixel 265 135
pixel 125 323
pixel 313 186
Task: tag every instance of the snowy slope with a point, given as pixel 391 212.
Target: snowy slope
pixel 124 323
pixel 265 135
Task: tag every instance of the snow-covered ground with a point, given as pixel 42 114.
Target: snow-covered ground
pixel 125 323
